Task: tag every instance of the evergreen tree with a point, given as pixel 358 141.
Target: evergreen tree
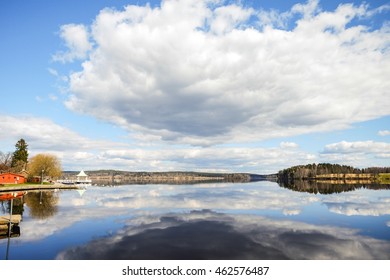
pixel 20 156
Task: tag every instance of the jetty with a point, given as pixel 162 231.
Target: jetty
pixel 9 226
pixel 15 219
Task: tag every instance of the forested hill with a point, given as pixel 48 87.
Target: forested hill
pixel 311 171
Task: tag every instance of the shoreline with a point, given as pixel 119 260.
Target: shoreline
pixel 29 187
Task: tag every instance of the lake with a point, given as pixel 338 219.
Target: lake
pixel 257 220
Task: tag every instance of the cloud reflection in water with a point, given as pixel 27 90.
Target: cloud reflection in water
pixel 210 235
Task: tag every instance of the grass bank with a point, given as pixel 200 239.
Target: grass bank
pixel 384 178
pixel 34 186
pixel 24 184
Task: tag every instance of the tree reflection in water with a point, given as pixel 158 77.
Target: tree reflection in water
pixel 42 204
pixel 315 187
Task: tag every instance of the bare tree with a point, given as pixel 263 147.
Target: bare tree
pixel 5 161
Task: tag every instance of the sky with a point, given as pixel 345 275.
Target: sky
pixel 205 85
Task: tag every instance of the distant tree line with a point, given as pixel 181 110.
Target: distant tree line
pixel 309 171
pixel 376 170
pixel 172 177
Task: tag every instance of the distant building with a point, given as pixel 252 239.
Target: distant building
pixel 35 179
pixel 12 178
pixel 82 179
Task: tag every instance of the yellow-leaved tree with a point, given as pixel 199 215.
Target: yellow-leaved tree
pixel 46 165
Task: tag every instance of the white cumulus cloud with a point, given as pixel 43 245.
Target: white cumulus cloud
pixel 201 73
pixel 79 152
pixel 288 145
pixel 384 132
pixel 358 147
pixel 357 153
pixel 45 136
pixel 76 39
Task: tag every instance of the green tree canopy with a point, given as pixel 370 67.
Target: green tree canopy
pixel 47 164
pixel 20 156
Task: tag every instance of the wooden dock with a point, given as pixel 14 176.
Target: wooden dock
pixel 10 228
pixel 5 221
pixel 15 219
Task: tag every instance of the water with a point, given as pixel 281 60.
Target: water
pixel 258 220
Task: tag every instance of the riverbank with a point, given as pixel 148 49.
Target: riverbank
pixel 29 187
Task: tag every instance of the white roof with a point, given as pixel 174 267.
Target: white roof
pixel 82 174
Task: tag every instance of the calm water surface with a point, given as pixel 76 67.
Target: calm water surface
pixel 258 220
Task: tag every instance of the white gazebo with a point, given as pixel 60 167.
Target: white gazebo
pixel 83 179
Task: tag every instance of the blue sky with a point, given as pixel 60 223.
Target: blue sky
pixel 246 86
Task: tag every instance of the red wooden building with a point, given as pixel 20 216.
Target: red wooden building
pixel 12 178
